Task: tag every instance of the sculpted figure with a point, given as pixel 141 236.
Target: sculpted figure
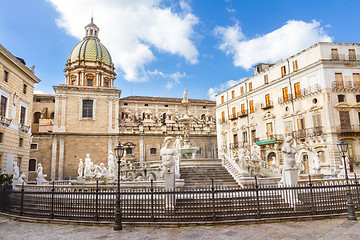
pixel 185 96
pixel 88 167
pixel 317 162
pixel 255 152
pixel 242 160
pixel 111 163
pixel 40 175
pixel 16 171
pixel 80 169
pixel 168 154
pixel 289 153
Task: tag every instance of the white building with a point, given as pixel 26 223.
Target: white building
pixel 313 96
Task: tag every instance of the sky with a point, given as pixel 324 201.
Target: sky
pixel 161 47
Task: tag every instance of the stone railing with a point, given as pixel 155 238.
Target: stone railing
pixel 345 86
pixel 5 121
pixel 232 167
pixel 270 167
pixel 24 127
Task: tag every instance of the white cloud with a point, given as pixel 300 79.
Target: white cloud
pixel 38 92
pixel 230 10
pixel 131 30
pixel 213 91
pixel 175 79
pixel 291 38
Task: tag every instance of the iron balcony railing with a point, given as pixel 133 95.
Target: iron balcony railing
pixel 278 137
pixel 304 92
pixel 267 105
pixel 233 116
pixel 345 86
pixel 243 114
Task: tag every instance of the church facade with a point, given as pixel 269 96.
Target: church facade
pixel 88 115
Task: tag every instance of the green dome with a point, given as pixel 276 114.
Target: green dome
pixel 90 49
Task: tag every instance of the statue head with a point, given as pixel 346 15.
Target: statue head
pixel 88 155
pixel 80 159
pixel 167 141
pixel 111 153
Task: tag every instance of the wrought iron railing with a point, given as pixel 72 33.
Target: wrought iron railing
pixel 212 203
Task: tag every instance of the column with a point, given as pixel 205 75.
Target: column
pixel 61 158
pixel 53 158
pixel 63 111
pixel 56 115
pixel 117 103
pixel 110 144
pixel 110 117
pixel 141 148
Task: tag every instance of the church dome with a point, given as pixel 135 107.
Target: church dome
pixel 90 49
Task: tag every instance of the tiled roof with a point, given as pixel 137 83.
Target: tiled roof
pixel 166 99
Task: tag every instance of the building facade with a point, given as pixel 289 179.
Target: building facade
pixel 313 96
pixel 87 115
pixel 16 93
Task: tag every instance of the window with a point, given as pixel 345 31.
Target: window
pixel 146 104
pixel 317 120
pixel 152 151
pixel 73 82
pixel 251 104
pixel 283 71
pixel 234 112
pixel 232 94
pixel 204 107
pixel 339 80
pixel 235 138
pixel 295 66
pixel 125 104
pixel 245 140
pixel 22 115
pixel 241 90
pixel 166 105
pixel 301 123
pixel 344 120
pixel 198 151
pixel 356 80
pixel 357 98
pixel 250 86
pixel 19 161
pixel 322 156
pixel 106 83
pixel 21 142
pixel 38 100
pixel 285 94
pixel 222 99
pixel 288 128
pixel 129 151
pixel 32 165
pixel 297 90
pixel 253 135
pixel 266 79
pixel 341 98
pixel 267 100
pixel 37 116
pixel 243 108
pixel 269 130
pixel 91 32
pixel 352 55
pixel 6 76
pixel 52 115
pixel 222 116
pixel 34 146
pixel 1 137
pixel 89 82
pixel 3 106
pixel 24 88
pixel 87 110
pixel 334 54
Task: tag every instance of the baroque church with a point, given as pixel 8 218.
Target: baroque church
pixel 88 115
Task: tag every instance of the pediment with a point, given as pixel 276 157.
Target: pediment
pixel 315 108
pixel 343 106
pixel 268 116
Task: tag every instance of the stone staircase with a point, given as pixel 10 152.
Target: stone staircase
pixel 200 175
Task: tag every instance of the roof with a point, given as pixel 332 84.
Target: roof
pixel 90 49
pixel 18 63
pixel 44 96
pixel 166 99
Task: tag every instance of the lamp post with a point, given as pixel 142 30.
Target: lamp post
pixel 119 153
pixel 343 147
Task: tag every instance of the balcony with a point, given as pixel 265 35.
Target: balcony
pixel 24 128
pixel 315 131
pixel 348 128
pixel 220 121
pixel 5 121
pixel 300 134
pixel 282 100
pixel 243 114
pixel 345 86
pixel 267 105
pixel 344 57
pixel 233 116
pixel 270 139
pixel 237 145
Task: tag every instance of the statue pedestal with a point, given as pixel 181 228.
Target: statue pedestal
pixel 169 178
pixel 290 177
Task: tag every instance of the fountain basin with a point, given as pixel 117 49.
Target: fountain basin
pixel 187 153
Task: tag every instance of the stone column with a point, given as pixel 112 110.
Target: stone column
pixel 141 148
pixel 63 112
pixel 110 117
pixel 117 103
pixel 56 115
pixel 61 158
pixel 53 158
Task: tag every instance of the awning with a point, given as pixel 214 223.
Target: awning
pixel 268 141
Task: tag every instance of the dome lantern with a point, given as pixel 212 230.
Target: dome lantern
pixel 91 30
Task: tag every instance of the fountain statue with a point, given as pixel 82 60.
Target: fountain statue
pixel 290 173
pixel 40 175
pixel 187 151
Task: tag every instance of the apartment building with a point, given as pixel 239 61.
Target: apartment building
pixel 313 96
pixel 16 93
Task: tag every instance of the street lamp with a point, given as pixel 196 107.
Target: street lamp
pixel 343 147
pixel 119 153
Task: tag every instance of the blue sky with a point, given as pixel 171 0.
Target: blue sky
pixel 162 47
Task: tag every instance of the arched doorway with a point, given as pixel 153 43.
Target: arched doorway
pixel 271 158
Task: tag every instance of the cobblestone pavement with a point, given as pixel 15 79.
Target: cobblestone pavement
pixel 339 228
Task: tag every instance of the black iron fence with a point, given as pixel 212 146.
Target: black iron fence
pixel 214 203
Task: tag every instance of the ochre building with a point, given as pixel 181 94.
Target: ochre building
pixel 87 115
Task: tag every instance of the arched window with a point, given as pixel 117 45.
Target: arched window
pixel 37 116
pixel 153 151
pixel 52 115
pixel 32 165
pixel 106 82
pixel 322 156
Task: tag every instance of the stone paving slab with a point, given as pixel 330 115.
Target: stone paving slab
pixel 338 228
